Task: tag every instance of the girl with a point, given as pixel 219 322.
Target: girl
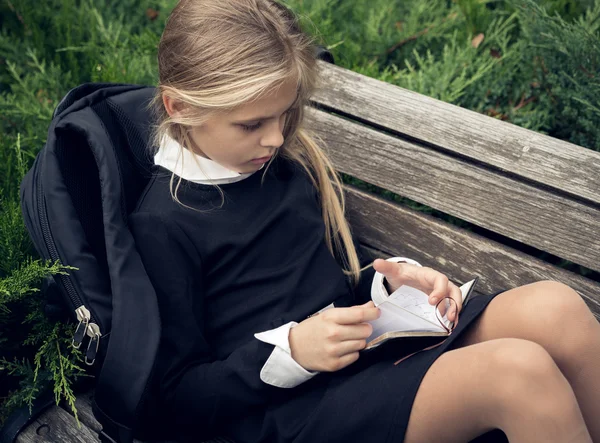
pixel 264 304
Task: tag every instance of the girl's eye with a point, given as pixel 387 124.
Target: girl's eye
pixel 250 128
pixel 254 127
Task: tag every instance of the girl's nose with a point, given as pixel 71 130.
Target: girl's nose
pixel 273 137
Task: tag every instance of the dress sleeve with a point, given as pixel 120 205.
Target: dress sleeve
pixel 281 369
pixel 362 290
pixel 197 390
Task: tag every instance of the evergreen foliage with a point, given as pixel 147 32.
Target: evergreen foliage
pixel 567 63
pixel 535 63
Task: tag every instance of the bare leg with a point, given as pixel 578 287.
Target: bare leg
pixel 510 384
pixel 556 317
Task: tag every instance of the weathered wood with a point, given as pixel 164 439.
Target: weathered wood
pixel 56 426
pixel 532 188
pixel 458 253
pixel 521 211
pixel 83 405
pixel 464 133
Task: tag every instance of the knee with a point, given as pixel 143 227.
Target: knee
pixel 521 359
pixel 528 381
pixel 558 307
pixel 523 371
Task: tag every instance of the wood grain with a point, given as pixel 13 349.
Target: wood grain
pixel 56 426
pixel 532 188
pixel 459 254
pixel 521 211
pixel 83 404
pixel 464 133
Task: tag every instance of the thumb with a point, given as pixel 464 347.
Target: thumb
pixel 383 266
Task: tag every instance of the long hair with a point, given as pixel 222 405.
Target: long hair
pixel 215 55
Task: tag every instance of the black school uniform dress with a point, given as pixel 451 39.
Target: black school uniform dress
pixel 256 263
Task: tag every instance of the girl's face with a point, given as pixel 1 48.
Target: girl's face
pixel 249 132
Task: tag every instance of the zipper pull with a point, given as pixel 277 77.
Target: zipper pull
pixel 93 345
pixel 84 317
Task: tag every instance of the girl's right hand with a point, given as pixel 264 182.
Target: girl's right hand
pixel 331 340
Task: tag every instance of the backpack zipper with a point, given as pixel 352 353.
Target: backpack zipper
pixel 93 332
pixel 85 317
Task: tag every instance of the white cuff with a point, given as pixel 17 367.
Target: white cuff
pixel 378 291
pixel 281 369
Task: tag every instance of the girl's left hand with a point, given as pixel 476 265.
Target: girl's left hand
pixel 423 278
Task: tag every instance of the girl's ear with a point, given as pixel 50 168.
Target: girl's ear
pixel 172 106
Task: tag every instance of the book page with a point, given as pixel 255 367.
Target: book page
pixel 415 301
pixel 407 309
pixel 394 318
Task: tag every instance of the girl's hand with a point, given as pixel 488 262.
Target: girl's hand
pixel 425 279
pixel 331 340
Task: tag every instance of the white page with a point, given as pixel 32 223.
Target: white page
pixel 421 315
pixel 408 309
pixel 415 301
pixel 394 318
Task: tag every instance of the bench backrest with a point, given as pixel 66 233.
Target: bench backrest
pixel 519 190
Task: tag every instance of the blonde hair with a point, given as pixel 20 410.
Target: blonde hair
pixel 215 55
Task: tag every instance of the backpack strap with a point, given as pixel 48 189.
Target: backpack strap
pixel 135 330
pixel 21 418
pixel 87 93
pixel 128 365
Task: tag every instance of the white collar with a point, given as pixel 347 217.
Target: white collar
pixel 182 162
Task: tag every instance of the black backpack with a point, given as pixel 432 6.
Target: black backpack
pixel 75 200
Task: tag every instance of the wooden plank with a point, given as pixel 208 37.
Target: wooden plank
pixel 56 426
pixel 83 404
pixel 376 253
pixel 458 253
pixel 489 199
pixel 504 146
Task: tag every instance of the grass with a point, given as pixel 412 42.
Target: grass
pixel 533 63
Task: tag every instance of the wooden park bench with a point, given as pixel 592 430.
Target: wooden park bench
pixel 520 191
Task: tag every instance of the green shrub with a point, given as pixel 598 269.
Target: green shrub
pixel 533 63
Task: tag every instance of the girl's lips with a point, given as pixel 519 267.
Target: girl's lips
pixel 261 160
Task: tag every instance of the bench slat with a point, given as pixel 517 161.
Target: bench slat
pixel 458 253
pixel 553 162
pixel 489 199
pixel 56 426
pixel 83 404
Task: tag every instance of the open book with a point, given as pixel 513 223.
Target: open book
pixel 406 312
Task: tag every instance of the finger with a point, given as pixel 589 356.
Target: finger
pixel 440 286
pixel 449 304
pixel 392 271
pixel 346 360
pixel 338 333
pixel 452 303
pixel 451 309
pixel 350 316
pixel 442 306
pixel 385 267
pixel 359 331
pixel 457 297
pixel 369 304
pixel 350 346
